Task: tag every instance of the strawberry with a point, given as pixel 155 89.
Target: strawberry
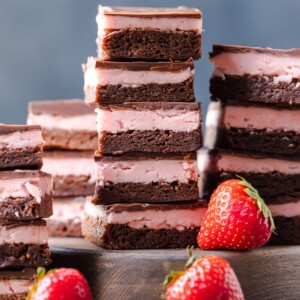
pixel 208 278
pixel 62 284
pixel 237 218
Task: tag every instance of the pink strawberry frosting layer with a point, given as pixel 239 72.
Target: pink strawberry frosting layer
pixel 238 164
pixel 14 286
pixel 153 19
pixel 37 187
pixel 179 219
pixel 24 234
pixel 21 139
pixel 94 77
pixel 284 68
pixel 69 166
pixel 253 117
pixel 146 171
pixel 83 122
pixel 115 121
pixel 288 210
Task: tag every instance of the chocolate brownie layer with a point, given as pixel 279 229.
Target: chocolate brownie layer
pixel 24 255
pixel 151 44
pixel 26 209
pixel 20 296
pixel 118 236
pixel 70 139
pixel 154 192
pixel 262 140
pixel 150 141
pixel 26 158
pixel 274 188
pixel 287 230
pixel 116 94
pixel 263 89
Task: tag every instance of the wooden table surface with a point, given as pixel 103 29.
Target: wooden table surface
pixel 268 273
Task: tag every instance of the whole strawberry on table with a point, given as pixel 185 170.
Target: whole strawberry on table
pixel 237 218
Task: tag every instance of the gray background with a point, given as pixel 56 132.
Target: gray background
pixel 43 43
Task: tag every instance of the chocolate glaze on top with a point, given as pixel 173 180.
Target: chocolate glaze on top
pixel 68 154
pixel 69 107
pixel 9 224
pixel 167 66
pixel 151 12
pixel 22 174
pixel 7 129
pixel 26 273
pixel 218 49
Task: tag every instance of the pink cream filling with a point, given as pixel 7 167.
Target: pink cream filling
pixel 25 187
pixel 83 122
pixel 24 234
pixel 284 68
pixel 21 139
pixel 146 171
pixel 70 166
pixel 94 77
pixel 115 121
pixel 254 117
pixel 288 210
pixel 152 219
pixel 15 286
pixel 151 21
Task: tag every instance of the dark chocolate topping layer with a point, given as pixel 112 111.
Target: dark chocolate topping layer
pixel 22 174
pixel 68 154
pixel 13 224
pixel 151 12
pixel 138 156
pixel 26 273
pixel 118 208
pixel 218 49
pixel 140 106
pixel 7 129
pixel 167 66
pixel 69 107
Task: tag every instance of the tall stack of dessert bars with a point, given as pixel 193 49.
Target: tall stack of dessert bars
pixel 149 128
pixel 68 129
pixel 25 199
pixel 253 125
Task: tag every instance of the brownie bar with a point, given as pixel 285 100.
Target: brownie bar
pixel 21 147
pixel 260 89
pixel 66 124
pixel 287 230
pixel 170 128
pixel 149 33
pixel 19 296
pixel 143 226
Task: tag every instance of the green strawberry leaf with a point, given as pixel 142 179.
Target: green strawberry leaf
pixel 253 193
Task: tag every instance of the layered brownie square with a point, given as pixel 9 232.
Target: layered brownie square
pixel 253 127
pixel 66 124
pixel 252 74
pixel 25 195
pixel 149 127
pixel 23 244
pixel 21 147
pixel 112 82
pixel 73 172
pixel 148 33
pixel 146 178
pixel 143 226
pixel 67 216
pixel 16 284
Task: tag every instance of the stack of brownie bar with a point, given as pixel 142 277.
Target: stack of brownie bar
pixel 25 199
pixel 149 128
pixel 68 129
pixel 254 126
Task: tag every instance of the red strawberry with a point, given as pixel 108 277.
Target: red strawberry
pixel 237 218
pixel 209 278
pixel 60 284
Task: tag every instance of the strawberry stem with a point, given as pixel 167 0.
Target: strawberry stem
pixel 252 192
